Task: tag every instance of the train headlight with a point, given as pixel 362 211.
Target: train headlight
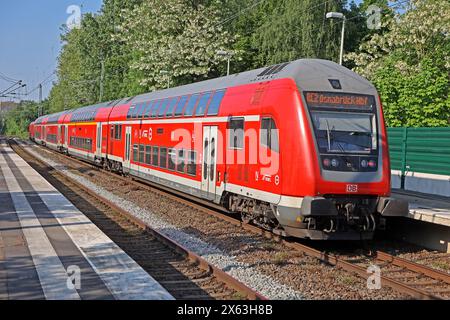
pixel 335 163
pixel 372 163
pixel 364 163
pixel 326 162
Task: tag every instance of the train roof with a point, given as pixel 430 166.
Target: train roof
pixel 308 74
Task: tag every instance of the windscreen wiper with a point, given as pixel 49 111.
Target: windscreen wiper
pixel 332 139
pixel 328 136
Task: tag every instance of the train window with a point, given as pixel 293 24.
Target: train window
pixel 180 106
pixel 148 156
pixel 118 132
pixel 135 153
pixel 155 154
pixel 163 108
pixel 172 159
pixel 141 153
pixel 130 112
pixel 205 159
pixel 181 161
pixel 171 108
pixel 213 109
pixel 202 104
pixel 112 132
pixel 212 167
pixel 192 163
pixel 163 158
pixel 140 110
pixel 269 134
pixel 236 133
pixel 155 109
pixel 135 110
pixel 191 105
pixel 148 110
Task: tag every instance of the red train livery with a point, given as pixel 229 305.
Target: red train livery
pixel 299 148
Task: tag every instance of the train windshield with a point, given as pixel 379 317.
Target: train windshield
pixel 343 123
pixel 345 132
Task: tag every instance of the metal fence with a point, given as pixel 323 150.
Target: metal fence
pixel 425 150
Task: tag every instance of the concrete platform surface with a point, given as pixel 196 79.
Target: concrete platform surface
pixel 50 250
pixel 428 208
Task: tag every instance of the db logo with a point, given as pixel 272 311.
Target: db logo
pixel 352 188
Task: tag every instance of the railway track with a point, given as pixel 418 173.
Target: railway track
pixel 181 272
pixel 405 276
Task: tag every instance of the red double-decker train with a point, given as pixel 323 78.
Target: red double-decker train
pixel 298 148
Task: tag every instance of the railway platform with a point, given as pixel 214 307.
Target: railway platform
pixel 429 220
pixel 49 250
pixel 427 208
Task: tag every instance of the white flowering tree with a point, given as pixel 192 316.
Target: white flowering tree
pixel 173 38
pixel 410 64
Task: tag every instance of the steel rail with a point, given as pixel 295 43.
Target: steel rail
pixel 413 266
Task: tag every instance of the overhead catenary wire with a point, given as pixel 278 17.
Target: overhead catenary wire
pixel 8 79
pixel 12 88
pixel 42 83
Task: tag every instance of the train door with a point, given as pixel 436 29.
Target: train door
pixel 66 136
pixel 58 135
pixel 62 135
pixel 209 162
pixel 127 153
pixel 99 140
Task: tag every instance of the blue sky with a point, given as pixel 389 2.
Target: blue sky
pixel 30 38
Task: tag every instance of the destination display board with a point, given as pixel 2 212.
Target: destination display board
pixel 339 100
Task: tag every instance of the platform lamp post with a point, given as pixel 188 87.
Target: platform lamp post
pixel 339 15
pixel 227 55
pixel 167 73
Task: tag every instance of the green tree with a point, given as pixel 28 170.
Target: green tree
pixel 410 65
pixel 17 120
pixel 297 29
pixel 86 51
pixel 178 36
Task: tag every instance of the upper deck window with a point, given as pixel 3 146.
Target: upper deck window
pixel 213 109
pixel 269 134
pixel 163 108
pixel 135 111
pixel 191 105
pixel 203 104
pixel 155 109
pixel 140 111
pixel 180 106
pixel 171 108
pixel 148 109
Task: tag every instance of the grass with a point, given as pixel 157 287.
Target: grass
pixel 280 258
pixel 348 280
pixel 441 265
pixel 268 246
pixel 239 296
